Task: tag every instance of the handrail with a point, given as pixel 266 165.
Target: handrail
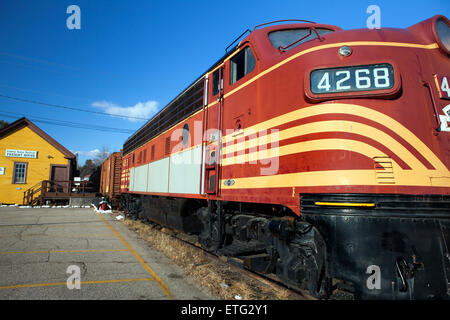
pixel 276 21
pixel 37 184
pixel 248 30
pixel 28 195
pixel 433 104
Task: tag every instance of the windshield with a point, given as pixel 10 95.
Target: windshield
pixel 283 38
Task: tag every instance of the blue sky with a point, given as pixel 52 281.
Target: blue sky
pixel 135 56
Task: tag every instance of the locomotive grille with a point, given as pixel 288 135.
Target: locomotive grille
pixel 384 171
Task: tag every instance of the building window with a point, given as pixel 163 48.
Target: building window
pixel 153 153
pixel 241 64
pixel 20 172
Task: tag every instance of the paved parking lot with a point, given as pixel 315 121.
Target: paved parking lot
pixel 45 252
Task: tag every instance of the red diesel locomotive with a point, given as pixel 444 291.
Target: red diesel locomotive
pixel 313 153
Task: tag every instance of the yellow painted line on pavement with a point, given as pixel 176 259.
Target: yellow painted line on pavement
pixel 68 236
pixel 150 271
pixel 36 285
pixel 87 224
pixel 63 251
pixel 68 226
pixel 41 226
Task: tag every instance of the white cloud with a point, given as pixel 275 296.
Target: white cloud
pixel 143 110
pixel 97 155
pixel 91 154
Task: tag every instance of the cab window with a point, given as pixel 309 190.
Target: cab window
pixel 283 38
pixel 215 82
pixel 241 64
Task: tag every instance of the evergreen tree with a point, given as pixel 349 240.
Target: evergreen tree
pixel 88 168
pixel 3 124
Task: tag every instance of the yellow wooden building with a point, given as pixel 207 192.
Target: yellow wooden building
pixel 27 157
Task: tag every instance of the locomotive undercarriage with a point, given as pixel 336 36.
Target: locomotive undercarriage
pixel 283 245
pixel 278 243
pixel 330 252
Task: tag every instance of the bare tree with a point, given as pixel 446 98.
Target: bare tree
pixel 102 155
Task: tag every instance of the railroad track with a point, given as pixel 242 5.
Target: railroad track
pixel 267 280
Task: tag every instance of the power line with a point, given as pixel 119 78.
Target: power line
pixel 66 123
pixel 60 65
pixel 38 60
pixel 70 108
pixel 72 125
pixel 32 67
pixel 41 92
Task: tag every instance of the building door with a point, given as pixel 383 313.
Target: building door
pixel 59 179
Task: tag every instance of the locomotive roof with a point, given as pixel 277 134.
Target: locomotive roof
pixel 228 53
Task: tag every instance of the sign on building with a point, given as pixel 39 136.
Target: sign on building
pixel 21 153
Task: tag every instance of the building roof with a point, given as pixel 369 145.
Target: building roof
pixel 23 122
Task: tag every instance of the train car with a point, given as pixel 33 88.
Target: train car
pixel 110 177
pixel 314 153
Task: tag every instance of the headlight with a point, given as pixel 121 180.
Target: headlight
pixel 441 29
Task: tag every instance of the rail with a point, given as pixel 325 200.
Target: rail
pixel 243 33
pixel 269 280
pixel 32 193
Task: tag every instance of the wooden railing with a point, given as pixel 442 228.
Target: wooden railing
pixel 32 193
pixel 56 189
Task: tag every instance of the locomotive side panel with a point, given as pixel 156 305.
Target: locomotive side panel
pixel 168 150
